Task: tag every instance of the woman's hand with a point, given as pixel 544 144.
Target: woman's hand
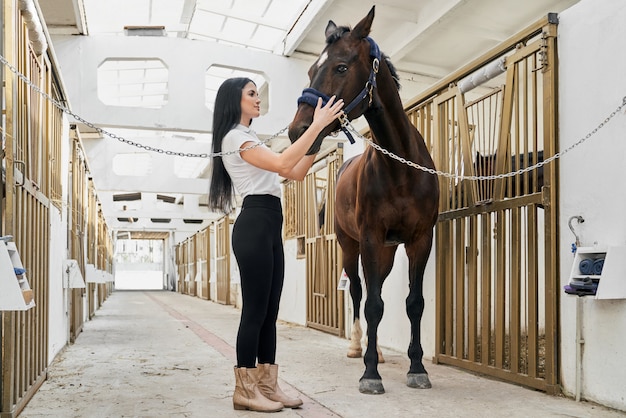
pixel 325 115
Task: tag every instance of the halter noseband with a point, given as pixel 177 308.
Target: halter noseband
pixel 310 95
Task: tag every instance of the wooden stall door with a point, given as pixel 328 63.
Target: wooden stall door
pixel 25 213
pixel 203 251
pixel 222 260
pixel 325 303
pixel 78 236
pixel 497 293
pixel 191 265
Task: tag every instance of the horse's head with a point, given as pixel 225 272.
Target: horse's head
pixel 347 69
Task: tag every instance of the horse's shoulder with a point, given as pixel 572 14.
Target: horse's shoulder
pixel 349 163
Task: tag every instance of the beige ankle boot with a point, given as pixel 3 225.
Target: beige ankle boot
pixel 268 385
pixel 247 394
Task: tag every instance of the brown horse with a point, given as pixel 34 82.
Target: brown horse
pixel 380 202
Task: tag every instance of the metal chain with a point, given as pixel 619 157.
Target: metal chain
pixel 101 131
pixel 559 154
pixel 344 123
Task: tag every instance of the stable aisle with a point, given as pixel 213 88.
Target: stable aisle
pixel 163 354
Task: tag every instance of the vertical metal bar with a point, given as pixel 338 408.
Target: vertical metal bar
pixel 442 265
pixel 550 118
pixel 27 255
pixel 525 133
pixel 515 297
pixel 472 302
pixel 535 126
pixel 470 191
pixel 461 262
pixel 485 281
pixel 443 308
pixel 439 288
pixel 532 293
pixel 449 291
pixel 500 288
pixel 505 127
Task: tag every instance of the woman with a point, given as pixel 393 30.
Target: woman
pixel 252 169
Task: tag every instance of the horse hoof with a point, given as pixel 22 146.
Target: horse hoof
pixel 355 353
pixel 418 380
pixel 371 386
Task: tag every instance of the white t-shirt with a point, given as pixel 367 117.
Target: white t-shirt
pixel 247 178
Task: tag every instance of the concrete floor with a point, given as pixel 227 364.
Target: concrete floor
pixel 162 354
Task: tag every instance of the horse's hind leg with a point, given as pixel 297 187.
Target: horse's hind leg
pixel 417 377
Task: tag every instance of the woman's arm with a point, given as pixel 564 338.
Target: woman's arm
pixel 292 163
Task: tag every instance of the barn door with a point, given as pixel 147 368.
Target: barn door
pixel 222 259
pixel 497 289
pixel 325 304
pixel 192 264
pixel 76 241
pixel 203 251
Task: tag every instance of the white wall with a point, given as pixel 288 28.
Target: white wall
pixel 187 62
pixel 58 328
pixel 592 65
pixel 293 303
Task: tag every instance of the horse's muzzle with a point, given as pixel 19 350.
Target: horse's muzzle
pixel 301 121
pixel 296 131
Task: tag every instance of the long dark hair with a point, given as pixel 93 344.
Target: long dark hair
pixel 226 115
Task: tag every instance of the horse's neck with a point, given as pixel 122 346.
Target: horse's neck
pixel 390 126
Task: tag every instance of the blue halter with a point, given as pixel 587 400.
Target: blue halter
pixel 310 95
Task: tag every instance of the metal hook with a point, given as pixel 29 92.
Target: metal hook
pixel 580 220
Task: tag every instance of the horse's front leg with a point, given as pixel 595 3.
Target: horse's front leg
pixel 356 334
pixel 377 263
pixel 351 267
pixel 417 377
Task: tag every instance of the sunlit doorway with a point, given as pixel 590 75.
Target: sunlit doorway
pixel 139 264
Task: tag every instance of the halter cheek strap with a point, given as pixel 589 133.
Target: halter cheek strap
pixel 311 95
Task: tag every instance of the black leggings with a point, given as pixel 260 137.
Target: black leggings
pixel 258 248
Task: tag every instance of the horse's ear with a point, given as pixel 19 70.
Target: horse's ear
pixel 362 29
pixel 330 28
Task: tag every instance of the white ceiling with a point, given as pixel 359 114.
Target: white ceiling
pixel 425 39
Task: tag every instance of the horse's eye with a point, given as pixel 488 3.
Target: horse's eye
pixel 342 68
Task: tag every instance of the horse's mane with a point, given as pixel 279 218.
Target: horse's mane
pixel 342 30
